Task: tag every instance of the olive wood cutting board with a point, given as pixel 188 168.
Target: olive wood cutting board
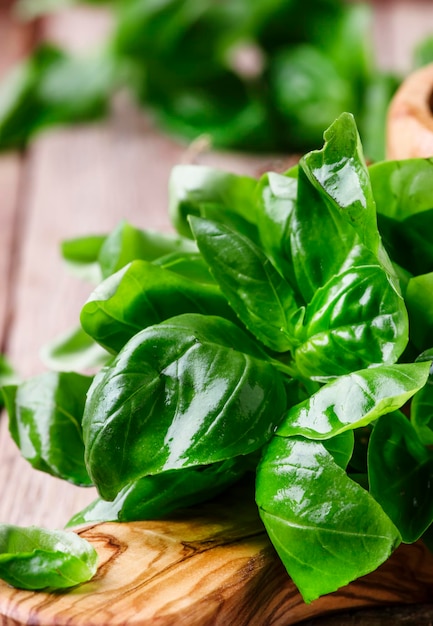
pixel 211 565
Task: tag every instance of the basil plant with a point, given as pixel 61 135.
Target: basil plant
pixel 281 337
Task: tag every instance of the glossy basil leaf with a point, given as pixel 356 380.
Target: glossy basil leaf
pixel 335 209
pixel 81 256
pixel 400 474
pixel 74 350
pixel 276 198
pixel 190 391
pixel 192 186
pixel 142 294
pixel 326 529
pixel 261 297
pixel 356 320
pixel 45 414
pixel 419 302
pixel 127 243
pixel 153 497
pixel 354 400
pixel 422 413
pixel 35 558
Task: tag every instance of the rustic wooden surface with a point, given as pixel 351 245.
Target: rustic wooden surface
pixel 81 180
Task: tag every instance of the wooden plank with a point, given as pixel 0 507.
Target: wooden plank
pixel 15 40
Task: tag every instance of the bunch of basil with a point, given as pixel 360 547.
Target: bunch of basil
pixel 278 334
pixel 251 75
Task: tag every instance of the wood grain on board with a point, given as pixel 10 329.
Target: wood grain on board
pixel 86 179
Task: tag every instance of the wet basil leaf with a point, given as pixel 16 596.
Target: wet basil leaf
pixel 35 558
pixel 142 294
pixel 261 297
pixel 45 414
pixel 326 529
pixel 276 198
pixel 356 320
pixel 355 400
pixel 190 391
pixel 8 375
pixel 400 474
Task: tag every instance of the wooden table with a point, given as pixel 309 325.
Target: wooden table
pixel 82 180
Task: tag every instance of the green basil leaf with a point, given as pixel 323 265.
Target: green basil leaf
pixel 356 320
pixel 81 256
pixel 8 375
pixel 400 474
pixel 335 209
pixel 142 294
pixel 355 400
pixel 326 529
pixel 190 265
pixel 421 413
pixel 341 447
pixel 192 186
pixel 261 297
pixel 35 558
pixel 127 243
pixel 153 497
pixel 190 391
pixel 45 414
pixel 276 198
pixel 73 350
pixel 419 302
pixel 403 191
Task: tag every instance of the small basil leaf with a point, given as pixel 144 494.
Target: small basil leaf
pixel 45 414
pixel 74 350
pixel 81 256
pixel 326 529
pixel 400 474
pixel 276 198
pixel 190 265
pixel 153 497
pixel 261 297
pixel 190 391
pixel 356 320
pixel 35 558
pixel 142 294
pixel 355 400
pixel 192 186
pixel 127 243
